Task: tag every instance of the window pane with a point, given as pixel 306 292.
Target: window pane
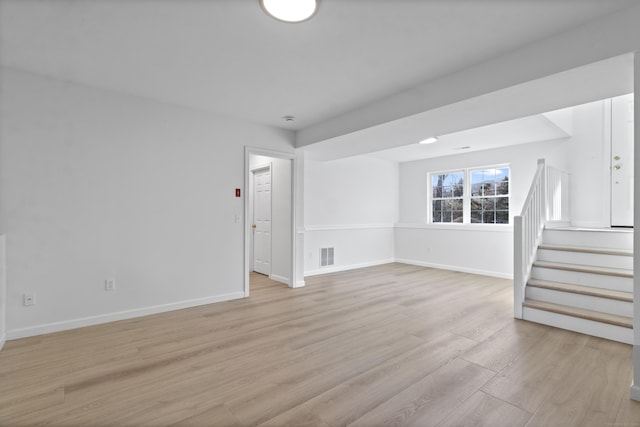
pixel 455 204
pixel 488 217
pixel 502 203
pixel 476 204
pixel 454 178
pixel 457 216
pixel 502 217
pixel 437 205
pixel 437 216
pixel 476 183
pixel 488 188
pixel 476 216
pixel 489 204
pixel 503 186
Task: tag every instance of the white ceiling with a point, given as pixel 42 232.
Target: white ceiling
pixel 229 58
pixel 513 132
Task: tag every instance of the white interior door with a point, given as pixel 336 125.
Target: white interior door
pixel 262 221
pixel 622 161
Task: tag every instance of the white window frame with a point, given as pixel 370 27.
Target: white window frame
pixel 466 196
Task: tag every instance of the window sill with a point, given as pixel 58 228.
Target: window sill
pixel 494 228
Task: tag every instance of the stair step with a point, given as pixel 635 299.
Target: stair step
pixel 610 238
pixel 611 319
pixel 582 290
pixel 587 250
pixel 618 272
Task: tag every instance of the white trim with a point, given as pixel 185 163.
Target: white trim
pixel 280 279
pixel 607 130
pixel 121 315
pixel 300 284
pixel 503 228
pixel 635 392
pixel 336 269
pixel 3 339
pixel 589 224
pixel 456 268
pixel 347 227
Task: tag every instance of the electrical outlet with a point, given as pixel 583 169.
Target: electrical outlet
pixel 110 285
pixel 29 298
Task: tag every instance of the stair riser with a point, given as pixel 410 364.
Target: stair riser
pixel 586 279
pixel 595 260
pixel 598 239
pixel 604 305
pixel 576 324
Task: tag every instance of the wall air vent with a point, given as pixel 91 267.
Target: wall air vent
pixel 326 257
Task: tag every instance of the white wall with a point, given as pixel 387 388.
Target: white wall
pixel 280 214
pixel 476 248
pixel 97 184
pixel 590 180
pixel 349 204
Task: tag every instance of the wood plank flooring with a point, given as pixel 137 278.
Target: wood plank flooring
pixel 387 345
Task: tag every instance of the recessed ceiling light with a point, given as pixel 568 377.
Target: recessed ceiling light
pixel 290 10
pixel 289 119
pixel 430 140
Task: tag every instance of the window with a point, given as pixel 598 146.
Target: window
pixel 478 195
pixel 447 190
pixel 490 196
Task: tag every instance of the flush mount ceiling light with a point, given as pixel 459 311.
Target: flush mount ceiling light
pixel 290 10
pixel 429 140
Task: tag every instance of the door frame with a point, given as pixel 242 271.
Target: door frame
pixel 248 151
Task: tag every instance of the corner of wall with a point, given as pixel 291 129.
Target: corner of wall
pixel 3 291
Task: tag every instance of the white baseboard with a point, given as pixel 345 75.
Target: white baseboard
pixel 113 317
pixel 336 269
pixel 280 279
pixel 299 284
pixel 3 339
pixel 635 392
pixel 456 268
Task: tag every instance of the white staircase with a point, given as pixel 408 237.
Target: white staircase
pixel 582 280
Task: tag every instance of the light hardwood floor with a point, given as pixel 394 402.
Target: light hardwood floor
pixel 388 345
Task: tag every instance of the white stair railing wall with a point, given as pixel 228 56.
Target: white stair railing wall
pixel 547 201
pixel 558 214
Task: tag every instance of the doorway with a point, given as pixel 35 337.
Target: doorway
pixel 270 244
pixel 261 222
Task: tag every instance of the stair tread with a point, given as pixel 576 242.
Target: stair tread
pixel 612 319
pixel 586 249
pixel 608 271
pixel 582 290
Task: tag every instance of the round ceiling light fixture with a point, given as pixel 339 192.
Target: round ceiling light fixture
pixel 290 10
